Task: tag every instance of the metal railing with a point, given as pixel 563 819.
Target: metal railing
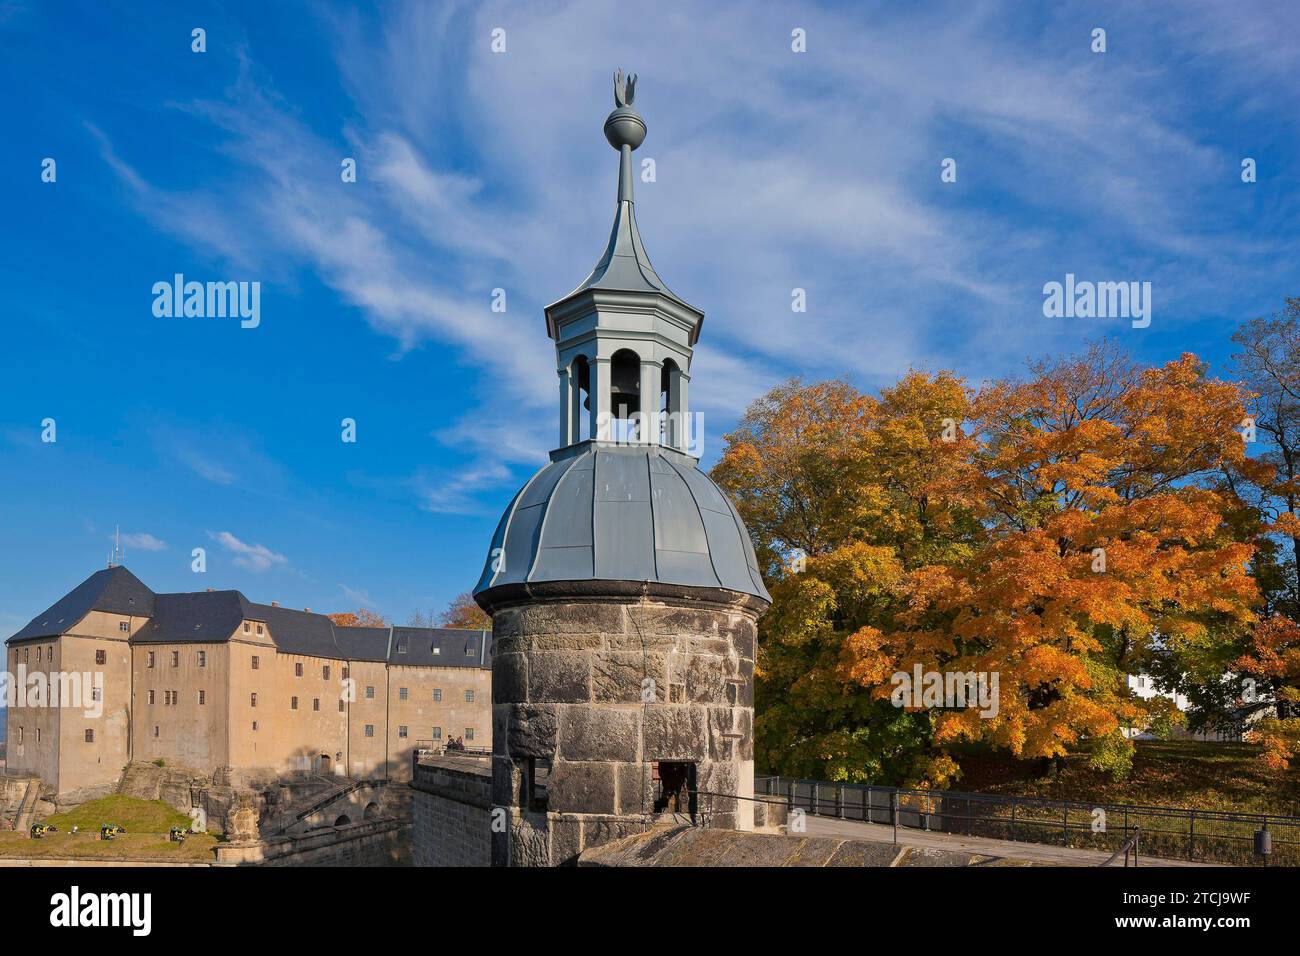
pixel 1201 836
pixel 1130 844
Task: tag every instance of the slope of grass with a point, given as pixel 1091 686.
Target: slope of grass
pixel 1177 773
pixel 147 823
pixel 131 812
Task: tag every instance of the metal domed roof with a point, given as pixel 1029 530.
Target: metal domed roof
pixel 640 513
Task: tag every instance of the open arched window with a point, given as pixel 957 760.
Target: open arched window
pixel 624 393
pixel 672 385
pixel 578 402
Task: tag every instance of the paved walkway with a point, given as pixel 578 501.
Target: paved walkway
pixel 1037 852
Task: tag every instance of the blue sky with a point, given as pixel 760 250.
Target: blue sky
pixel 479 170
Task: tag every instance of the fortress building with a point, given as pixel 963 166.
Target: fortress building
pixel 211 681
pixel 622 584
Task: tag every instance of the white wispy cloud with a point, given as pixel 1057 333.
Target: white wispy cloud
pixel 774 171
pixel 251 557
pixel 143 541
pixel 357 596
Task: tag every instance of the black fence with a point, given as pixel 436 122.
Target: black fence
pixel 1201 836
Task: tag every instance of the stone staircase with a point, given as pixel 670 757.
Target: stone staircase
pixel 23 816
pixel 312 802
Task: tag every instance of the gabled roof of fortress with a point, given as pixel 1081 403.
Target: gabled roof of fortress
pixel 212 617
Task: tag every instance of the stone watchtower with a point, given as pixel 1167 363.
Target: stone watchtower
pixel 622 584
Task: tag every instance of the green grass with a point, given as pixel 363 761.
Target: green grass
pixel 131 812
pixel 147 823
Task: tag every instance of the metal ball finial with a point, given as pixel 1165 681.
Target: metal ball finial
pixel 624 126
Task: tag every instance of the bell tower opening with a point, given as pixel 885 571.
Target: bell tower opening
pixel 625 395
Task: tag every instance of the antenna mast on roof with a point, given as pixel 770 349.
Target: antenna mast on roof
pixel 115 559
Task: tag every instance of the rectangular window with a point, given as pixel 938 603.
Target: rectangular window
pixel 297 669
pixel 259 629
pixel 345 673
pixel 293 703
pixel 124 626
pixel 469 733
pixel 254 725
pixel 469 697
pixel 20 735
pixel 203 697
pixel 151 658
pixel 151 697
pixel 370 730
pixel 437 693
pixel 155 730
pixel 96 693
pixel 539 779
pixel 101 657
pixel 437 733
pixel 38 657
pixel 401 730
pixel 436 650
pixel 401 648
pixel 255 662
pixel 342 706
pixel 203 658
pixel 315 703
pixel 90 736
pixel 370 692
pixel 325 672
pixel 675 787
pixel 176 658
pixel 469 650
pixel 27 655
pixel 401 693
pixel 253 699
pixel 247 627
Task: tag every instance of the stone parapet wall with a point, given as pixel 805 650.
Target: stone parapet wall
pixel 377 843
pixel 452 812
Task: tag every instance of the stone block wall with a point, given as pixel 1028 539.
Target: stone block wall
pixel 452 812
pixel 374 843
pixel 604 687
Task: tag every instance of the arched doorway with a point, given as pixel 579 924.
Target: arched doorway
pixel 343 820
pixel 323 763
pixel 372 810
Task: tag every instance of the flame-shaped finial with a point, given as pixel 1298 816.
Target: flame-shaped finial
pixel 624 89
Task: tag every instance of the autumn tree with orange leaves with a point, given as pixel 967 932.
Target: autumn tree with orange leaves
pixel 360 618
pixel 1061 531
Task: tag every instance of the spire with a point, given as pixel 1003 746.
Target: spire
pixel 625 130
pixel 624 266
pixel 623 339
